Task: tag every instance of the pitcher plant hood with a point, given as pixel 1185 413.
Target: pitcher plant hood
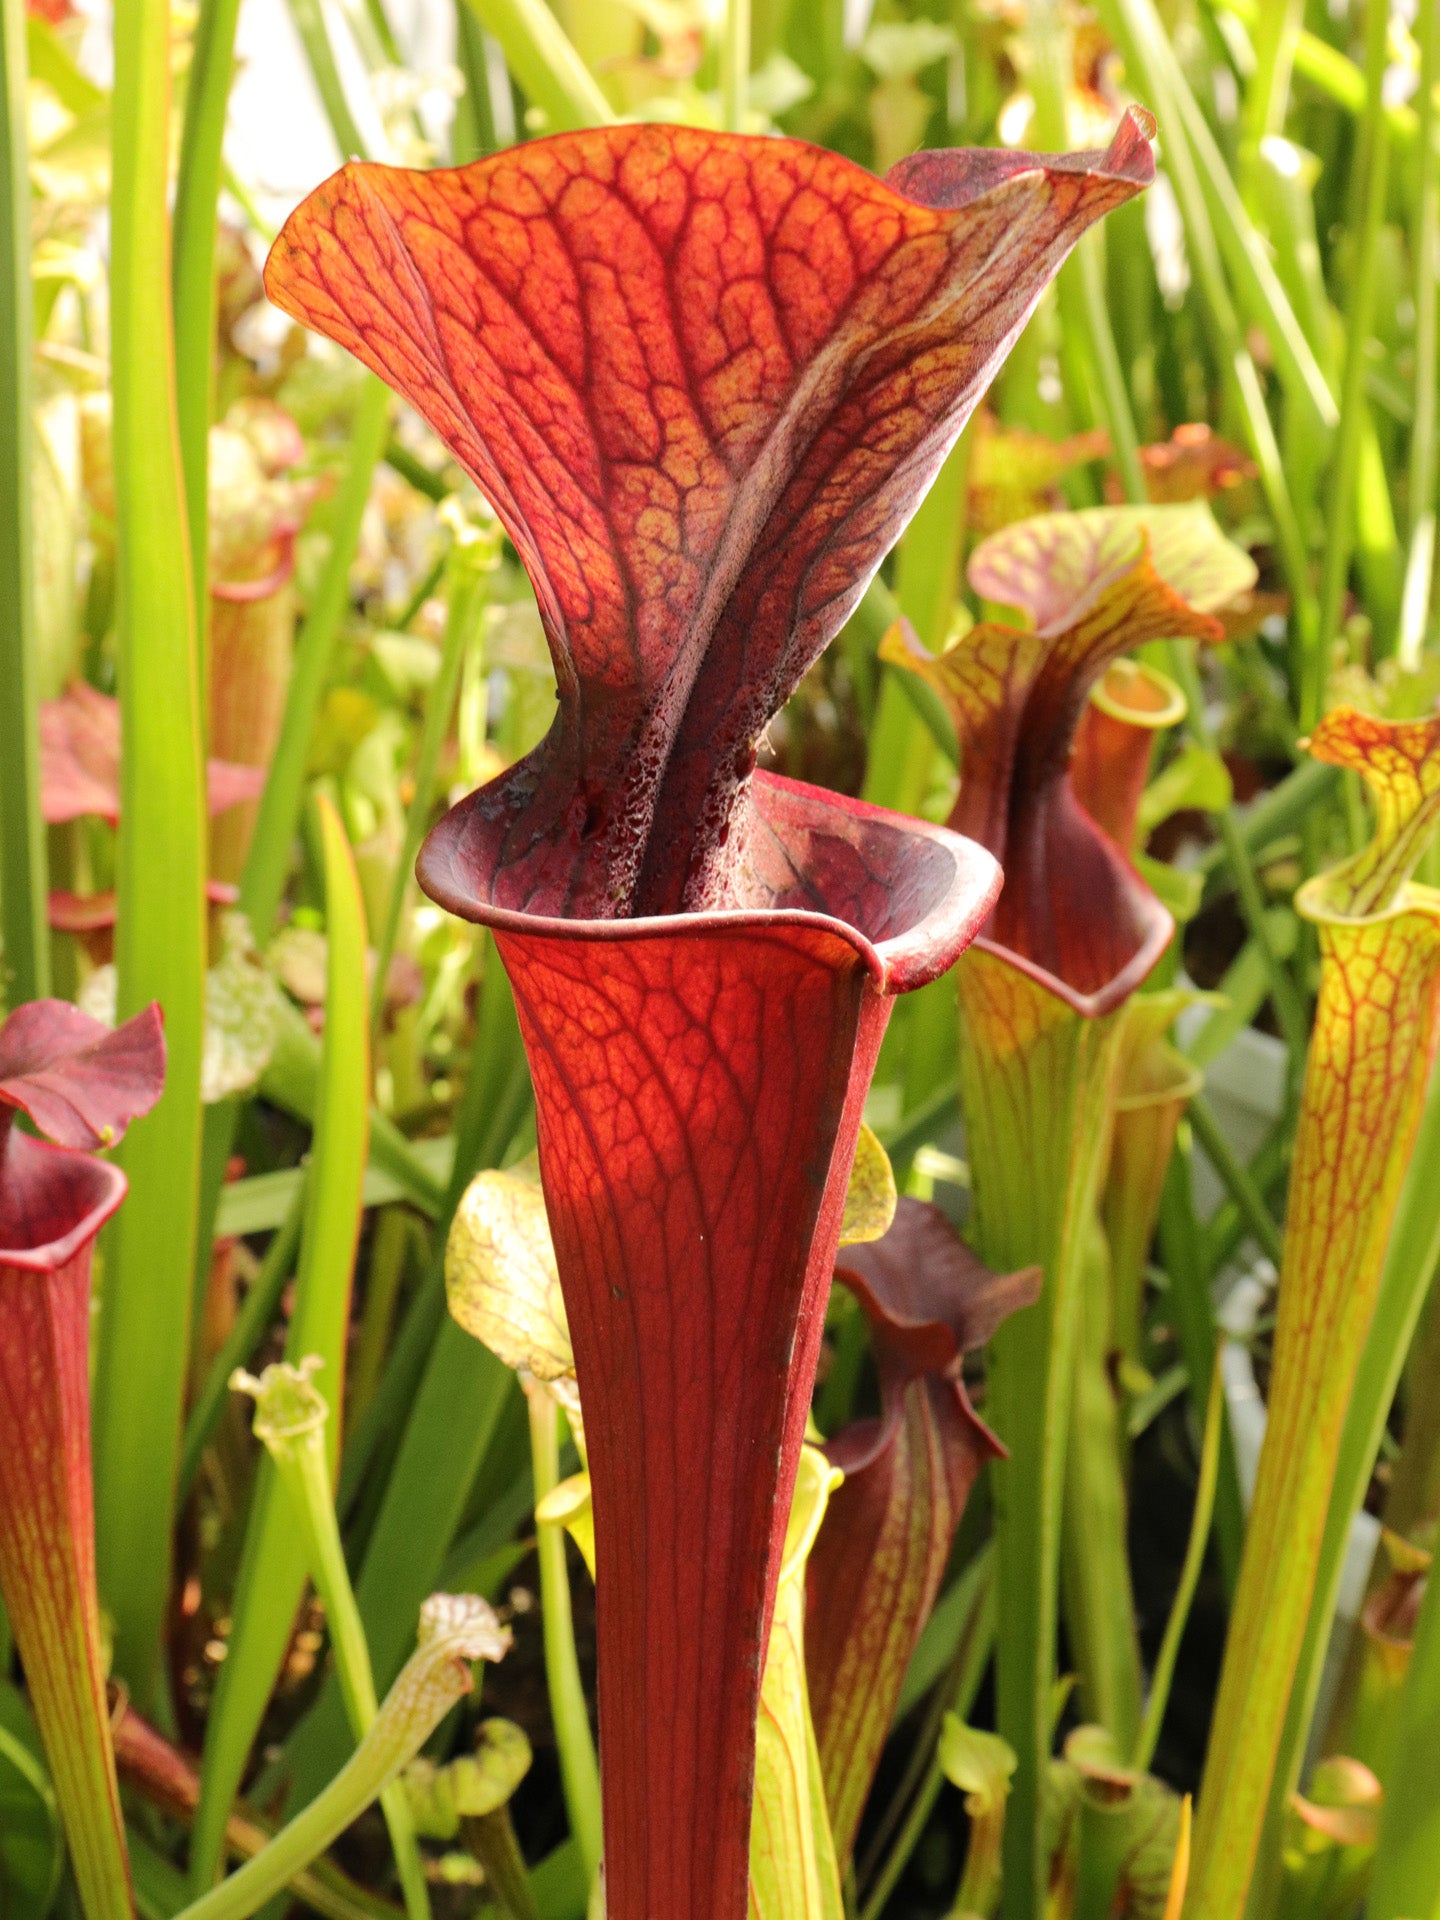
pixel 81 1084
pixel 1091 586
pixel 704 379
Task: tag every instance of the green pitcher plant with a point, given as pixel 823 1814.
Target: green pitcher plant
pixel 1042 998
pixel 1374 1043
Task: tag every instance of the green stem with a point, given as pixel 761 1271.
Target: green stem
pixel 1289 1007
pixel 1413 1499
pixel 1425 253
pixel 468 571
pixel 972 1656
pixel 491 1838
pixel 391 1240
pixel 876 614
pixel 197 191
pixel 1235 1177
pixel 979 1887
pixel 1331 72
pixel 1226 1228
pixel 24 935
pixel 1141 38
pixel 290 1416
pixel 1340 533
pixel 735 65
pixel 273 1565
pixel 453 1632
pixel 543 59
pixel 1277 29
pixel 279 816
pixel 1038 1112
pixel 1189 1574
pixel 1282 811
pixel 901 738
pixel 1096 1588
pixel 1110 375
pixel 160 936
pixel 579 1769
pixel 309 19
pixel 244 1337
pixel 1193 1312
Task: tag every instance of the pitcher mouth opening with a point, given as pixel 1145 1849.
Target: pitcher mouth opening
pixel 1158 932
pixel 53 1200
pixel 907 896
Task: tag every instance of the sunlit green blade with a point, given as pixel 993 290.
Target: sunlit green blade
pixel 1192 1314
pixel 273 1568
pixel 160 939
pixel 1096 1589
pixel 1254 278
pixel 197 188
pixel 1137 31
pixel 1345 472
pixel 1332 72
pixel 444 1391
pixel 579 1768
pixel 927 572
pixel 543 59
pixel 243 1339
pixel 309 19
pixel 23 933
pixel 468 589
pixel 1085 316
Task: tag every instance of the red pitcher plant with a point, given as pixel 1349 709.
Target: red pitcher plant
pixel 704 380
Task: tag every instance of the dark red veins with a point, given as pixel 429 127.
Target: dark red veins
pixel 704 380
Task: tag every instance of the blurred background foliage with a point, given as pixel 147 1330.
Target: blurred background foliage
pixel 1257 332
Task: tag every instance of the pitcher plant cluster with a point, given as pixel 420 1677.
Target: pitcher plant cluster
pixel 721 966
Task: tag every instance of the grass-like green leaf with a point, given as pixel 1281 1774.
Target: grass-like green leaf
pixel 309 18
pixel 901 746
pixel 468 571
pixel 543 59
pixel 1152 64
pixel 274 1565
pixel 160 937
pixel 197 188
pixel 24 938
pixel 1345 473
pixel 32 1841
pixel 254 1317
pixel 443 1391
